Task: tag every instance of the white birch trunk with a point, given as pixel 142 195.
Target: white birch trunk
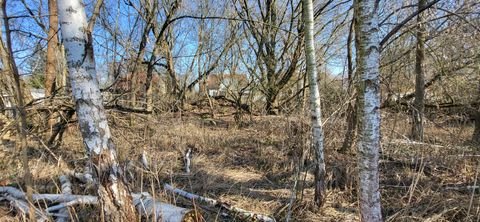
pixel 368 60
pixel 316 115
pixel 242 214
pixel 67 190
pixel 145 204
pixel 114 195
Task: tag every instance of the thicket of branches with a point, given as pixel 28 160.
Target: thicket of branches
pixel 152 56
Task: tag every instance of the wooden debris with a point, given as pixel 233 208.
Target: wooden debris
pixel 145 204
pixel 66 189
pixel 232 210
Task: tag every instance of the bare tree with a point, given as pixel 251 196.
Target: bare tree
pixel 316 115
pixel 368 62
pixel 114 195
pixel 476 130
pixel 51 68
pixel 351 112
pixel 10 69
pixel 419 103
pixel 169 13
pixel 277 55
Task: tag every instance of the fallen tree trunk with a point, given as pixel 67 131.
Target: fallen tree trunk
pixel 22 207
pixel 67 190
pixel 234 211
pixel 144 203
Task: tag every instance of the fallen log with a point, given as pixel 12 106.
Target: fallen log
pixel 234 211
pixel 413 143
pixel 148 207
pixel 66 189
pixel 145 204
pixel 22 207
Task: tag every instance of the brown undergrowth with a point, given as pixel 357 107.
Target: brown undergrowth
pixel 254 163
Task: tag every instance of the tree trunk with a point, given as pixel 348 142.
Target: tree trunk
pixel 316 115
pixel 476 131
pixel 51 67
pixel 10 66
pixel 270 98
pixel 150 10
pixel 173 86
pixel 418 103
pixel 62 82
pixel 114 195
pixel 367 35
pixel 351 112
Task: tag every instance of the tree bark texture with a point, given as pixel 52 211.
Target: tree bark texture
pixel 419 103
pixel 367 35
pixel 316 115
pixel 351 120
pixel 51 68
pixel 114 195
pixel 476 130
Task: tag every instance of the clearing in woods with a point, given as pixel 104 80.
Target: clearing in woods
pixel 251 164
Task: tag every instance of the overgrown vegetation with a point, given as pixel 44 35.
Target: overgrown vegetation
pixel 254 165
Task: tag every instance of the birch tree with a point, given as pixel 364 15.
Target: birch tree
pixel 316 115
pixel 368 61
pixel 418 103
pixel 114 195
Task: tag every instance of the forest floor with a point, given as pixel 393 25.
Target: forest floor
pixel 253 162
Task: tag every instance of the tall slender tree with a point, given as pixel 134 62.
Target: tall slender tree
pixel 10 69
pixel 476 130
pixel 418 103
pixel 351 119
pixel 316 114
pixel 368 61
pixel 51 68
pixel 114 195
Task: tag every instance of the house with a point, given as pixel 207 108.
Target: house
pixel 223 84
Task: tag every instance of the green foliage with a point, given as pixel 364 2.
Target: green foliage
pixel 36 81
pixel 36 68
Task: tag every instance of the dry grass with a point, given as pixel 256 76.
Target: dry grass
pixel 253 166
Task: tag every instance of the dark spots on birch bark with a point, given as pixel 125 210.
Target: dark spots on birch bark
pixel 110 144
pixel 370 83
pixel 101 132
pixel 84 102
pixel 71 10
